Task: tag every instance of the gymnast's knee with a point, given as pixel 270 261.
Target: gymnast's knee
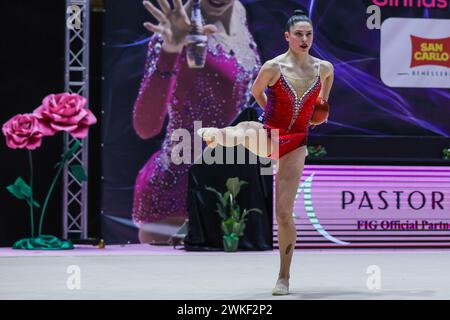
pixel 284 218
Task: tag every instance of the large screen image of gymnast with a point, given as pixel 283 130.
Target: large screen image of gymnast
pixel 380 90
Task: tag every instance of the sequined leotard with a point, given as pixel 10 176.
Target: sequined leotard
pixel 289 114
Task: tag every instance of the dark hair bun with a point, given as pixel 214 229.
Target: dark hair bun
pixel 300 15
pixel 300 12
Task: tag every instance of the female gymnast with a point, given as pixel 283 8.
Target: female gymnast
pixel 296 84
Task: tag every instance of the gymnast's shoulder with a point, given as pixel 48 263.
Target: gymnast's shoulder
pixel 326 68
pixel 271 65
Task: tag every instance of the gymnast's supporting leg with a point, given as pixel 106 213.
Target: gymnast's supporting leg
pixel 290 169
pixel 250 134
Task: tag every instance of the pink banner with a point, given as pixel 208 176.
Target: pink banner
pixel 373 206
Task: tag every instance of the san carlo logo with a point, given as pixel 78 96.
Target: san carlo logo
pixel 415 53
pixel 430 52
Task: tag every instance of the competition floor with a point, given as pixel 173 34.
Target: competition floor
pixel 148 272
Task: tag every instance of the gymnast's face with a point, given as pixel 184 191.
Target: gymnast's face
pixel 300 37
pixel 216 7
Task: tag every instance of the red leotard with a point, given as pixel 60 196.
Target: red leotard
pixel 289 114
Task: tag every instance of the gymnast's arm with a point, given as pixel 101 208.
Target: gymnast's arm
pixel 269 71
pixel 327 76
pixel 156 90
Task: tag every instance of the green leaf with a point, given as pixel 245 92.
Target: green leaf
pixel 234 214
pixel 224 228
pixel 233 186
pixel 238 228
pixel 15 191
pixel 246 212
pixel 23 187
pixel 60 163
pixel 227 226
pixel 74 148
pixel 231 200
pixel 70 152
pixel 240 231
pixel 446 154
pixel 237 210
pixel 231 236
pixel 218 195
pixel 212 190
pixel 220 210
pixel 37 205
pixel 226 196
pixel 317 151
pixel 78 172
pixel 21 190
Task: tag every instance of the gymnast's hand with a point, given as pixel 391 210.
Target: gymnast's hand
pixel 174 24
pixel 320 113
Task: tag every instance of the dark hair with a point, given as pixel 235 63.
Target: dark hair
pixel 299 16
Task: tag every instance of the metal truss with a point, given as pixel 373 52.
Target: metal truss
pixel 75 193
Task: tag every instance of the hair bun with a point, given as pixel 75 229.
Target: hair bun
pixel 300 12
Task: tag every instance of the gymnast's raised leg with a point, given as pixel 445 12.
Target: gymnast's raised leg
pixel 251 134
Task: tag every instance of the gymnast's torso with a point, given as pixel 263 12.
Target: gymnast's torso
pixel 290 105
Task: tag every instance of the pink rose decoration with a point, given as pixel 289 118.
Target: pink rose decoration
pixel 23 131
pixel 66 112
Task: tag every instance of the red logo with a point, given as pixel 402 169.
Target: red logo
pixel 431 52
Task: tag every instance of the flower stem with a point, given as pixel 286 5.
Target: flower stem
pixel 30 162
pixel 55 179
